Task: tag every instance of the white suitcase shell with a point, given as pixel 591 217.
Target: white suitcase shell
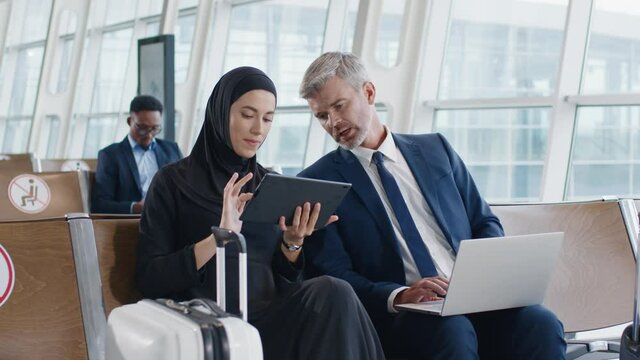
pixel 193 330
pixel 149 330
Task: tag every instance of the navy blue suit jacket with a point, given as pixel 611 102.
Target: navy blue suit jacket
pixel 117 182
pixel 361 246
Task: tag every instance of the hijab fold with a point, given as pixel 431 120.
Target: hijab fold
pixel 203 175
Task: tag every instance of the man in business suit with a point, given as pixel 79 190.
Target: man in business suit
pixel 412 202
pixel 125 169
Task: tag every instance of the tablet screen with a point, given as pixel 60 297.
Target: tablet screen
pixel 279 195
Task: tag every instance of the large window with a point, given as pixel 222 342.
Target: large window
pixel 21 69
pixel 540 99
pixel 503 149
pixel 508 50
pixel 49 135
pixel 62 62
pixel 349 26
pixel 109 67
pixel 23 99
pixel 606 153
pixel 503 48
pixel 109 63
pixel 111 71
pixel 389 31
pixel 119 11
pixel 185 28
pixel 613 57
pixel 98 104
pixel 279 37
pixel 605 157
pixel 98 126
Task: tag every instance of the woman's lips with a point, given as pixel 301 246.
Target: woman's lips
pixel 254 143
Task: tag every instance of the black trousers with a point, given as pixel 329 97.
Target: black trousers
pixel 321 319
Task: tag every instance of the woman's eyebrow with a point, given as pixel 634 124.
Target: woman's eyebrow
pixel 256 110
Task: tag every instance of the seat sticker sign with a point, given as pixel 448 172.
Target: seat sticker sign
pixel 7 275
pixel 29 193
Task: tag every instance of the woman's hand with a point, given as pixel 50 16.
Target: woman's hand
pixel 233 202
pixel 304 222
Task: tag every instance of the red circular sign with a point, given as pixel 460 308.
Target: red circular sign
pixel 7 275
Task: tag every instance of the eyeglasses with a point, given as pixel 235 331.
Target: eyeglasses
pixel 144 130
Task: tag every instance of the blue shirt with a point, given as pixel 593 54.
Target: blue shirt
pixel 146 162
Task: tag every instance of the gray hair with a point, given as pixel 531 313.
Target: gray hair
pixel 344 65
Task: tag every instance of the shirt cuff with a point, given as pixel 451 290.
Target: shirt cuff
pixel 131 207
pixel 392 297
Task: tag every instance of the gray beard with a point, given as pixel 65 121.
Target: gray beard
pixel 357 141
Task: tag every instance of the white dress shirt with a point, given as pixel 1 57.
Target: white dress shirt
pixel 441 252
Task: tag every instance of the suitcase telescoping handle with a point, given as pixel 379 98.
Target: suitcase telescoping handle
pixel 222 238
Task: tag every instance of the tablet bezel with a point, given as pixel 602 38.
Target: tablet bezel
pixel 279 195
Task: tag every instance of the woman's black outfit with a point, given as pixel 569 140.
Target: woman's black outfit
pixel 319 318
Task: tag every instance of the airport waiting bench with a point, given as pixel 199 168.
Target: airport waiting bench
pixel 592 287
pixel 594 280
pixel 40 317
pixel 68 274
pixel 116 239
pixel 34 196
pixel 71 272
pixel 52 165
pixel 26 162
pixel 108 241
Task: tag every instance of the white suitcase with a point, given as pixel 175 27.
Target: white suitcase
pixel 198 329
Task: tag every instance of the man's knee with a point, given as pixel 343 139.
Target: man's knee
pixel 540 320
pixel 540 334
pixel 455 330
pixel 451 337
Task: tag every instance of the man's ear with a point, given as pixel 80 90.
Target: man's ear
pixel 369 92
pixel 129 120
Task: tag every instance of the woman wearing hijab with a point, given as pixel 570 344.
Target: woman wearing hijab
pixel 319 318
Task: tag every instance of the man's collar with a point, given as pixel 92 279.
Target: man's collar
pixel 388 148
pixel 133 143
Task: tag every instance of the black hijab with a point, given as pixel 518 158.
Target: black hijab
pixel 203 175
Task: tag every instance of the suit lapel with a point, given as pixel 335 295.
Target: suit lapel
pixel 161 156
pixel 352 171
pixel 425 176
pixel 131 161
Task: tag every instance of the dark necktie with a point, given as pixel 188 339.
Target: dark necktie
pixel 409 230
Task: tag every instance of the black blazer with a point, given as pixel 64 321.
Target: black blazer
pixel 170 225
pixel 117 182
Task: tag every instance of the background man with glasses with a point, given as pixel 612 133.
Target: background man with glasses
pixel 125 169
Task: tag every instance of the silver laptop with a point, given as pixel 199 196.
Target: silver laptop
pixel 497 273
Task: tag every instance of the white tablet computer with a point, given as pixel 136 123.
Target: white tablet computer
pixel 278 195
